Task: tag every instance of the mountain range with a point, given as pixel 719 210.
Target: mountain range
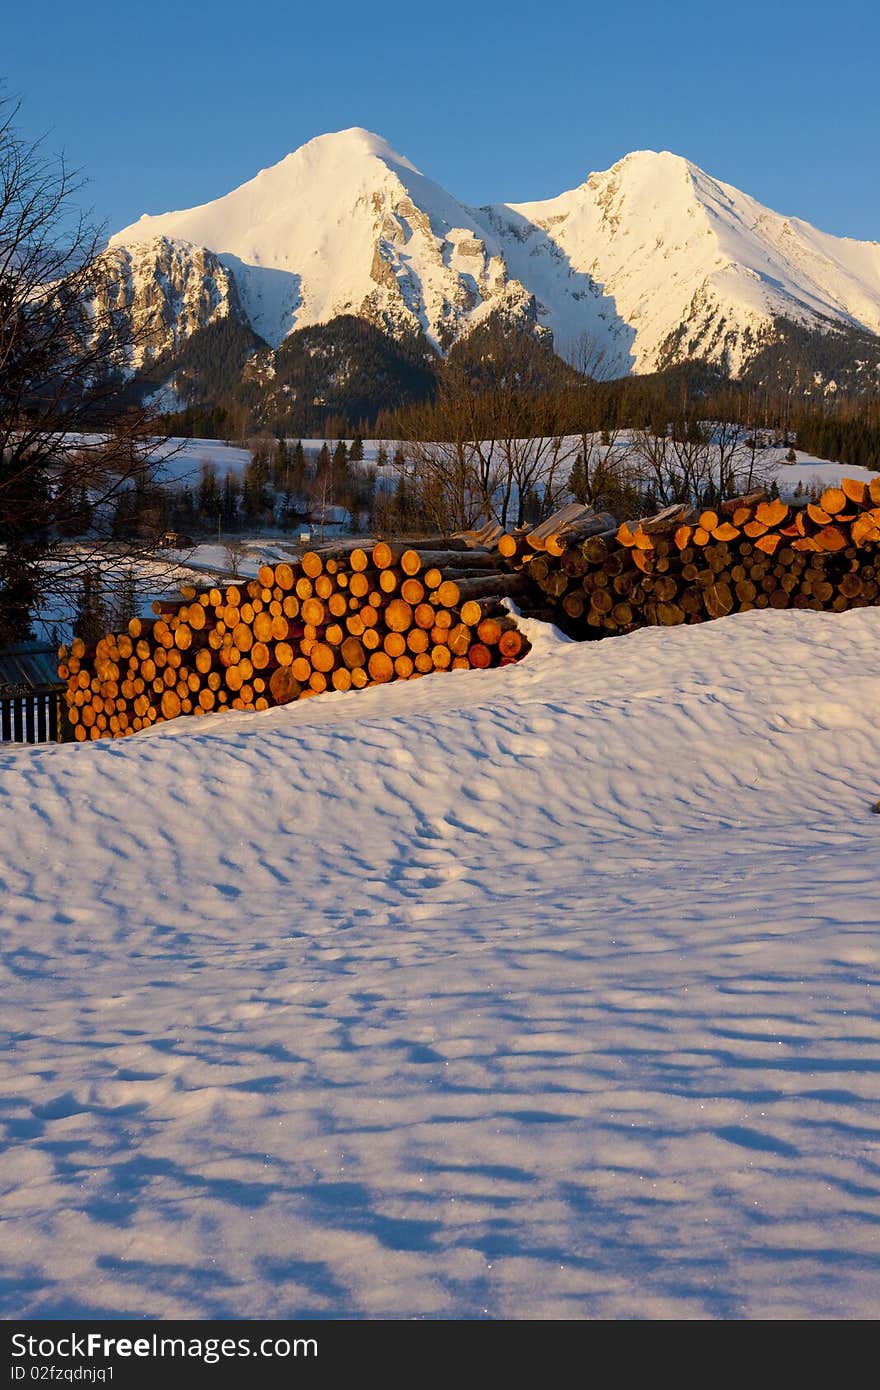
pixel 646 265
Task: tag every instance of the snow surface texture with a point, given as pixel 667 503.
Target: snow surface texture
pixel 547 991
pixel 346 225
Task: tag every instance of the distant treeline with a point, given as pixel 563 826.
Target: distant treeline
pixel 855 442
pixel 347 377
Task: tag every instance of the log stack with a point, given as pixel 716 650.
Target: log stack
pixel 333 621
pixel 686 566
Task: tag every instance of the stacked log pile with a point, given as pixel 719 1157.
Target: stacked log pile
pixel 334 621
pixel 684 566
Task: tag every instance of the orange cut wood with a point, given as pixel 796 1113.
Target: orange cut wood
pixel 322 657
pixel 441 656
pixel 864 529
pixel 448 594
pixel 708 520
pixel 312 611
pixel 642 540
pixel 683 536
pixel 768 543
pixel 382 555
pixel 755 528
pixel 413 590
pixel 701 536
pixel 625 535
pixel 833 500
pixel 323 586
pixel 479 656
pixel 410 562
pixel 358 560
pixel 433 577
pixel 489 632
pixel 387 581
pixel 266 576
pixel 283 686
pixel 301 669
pixel 380 667
pixel 874 490
pixel 510 643
pixel 771 513
pixel 394 644
pixel 818 514
pixel 458 639
pixel 399 615
pixel 855 490
pixel 742 515
pixel 403 667
pixel 507 546
pixel 170 704
pixel 341 679
pixel 417 639
pixel 352 652
pixel 831 538
pixel 312 564
pixel 725 532
pixel 259 656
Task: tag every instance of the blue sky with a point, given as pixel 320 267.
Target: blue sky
pixel 168 105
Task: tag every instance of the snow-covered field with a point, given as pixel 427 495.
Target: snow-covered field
pixel 547 991
pixel 188 457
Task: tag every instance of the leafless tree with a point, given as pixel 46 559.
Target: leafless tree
pixel 71 443
pixel 474 453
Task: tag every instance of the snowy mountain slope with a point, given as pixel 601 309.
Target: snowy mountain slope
pixel 653 261
pixel 540 992
pixel 674 249
pixel 346 225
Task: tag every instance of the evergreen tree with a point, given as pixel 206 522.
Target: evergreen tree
pixel 578 482
pixel 356 453
pixel 256 502
pixel 229 509
pixel 209 501
pixel 92 618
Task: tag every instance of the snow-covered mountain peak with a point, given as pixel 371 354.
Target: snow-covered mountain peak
pixel 653 260
pixel 347 225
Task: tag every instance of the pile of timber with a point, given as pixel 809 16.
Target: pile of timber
pixel 334 621
pixel 685 566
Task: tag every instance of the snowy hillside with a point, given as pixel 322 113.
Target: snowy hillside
pixel 653 260
pixel 541 992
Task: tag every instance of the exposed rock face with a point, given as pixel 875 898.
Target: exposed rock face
pixel 167 289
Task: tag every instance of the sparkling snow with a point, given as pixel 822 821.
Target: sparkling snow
pixel 547 991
